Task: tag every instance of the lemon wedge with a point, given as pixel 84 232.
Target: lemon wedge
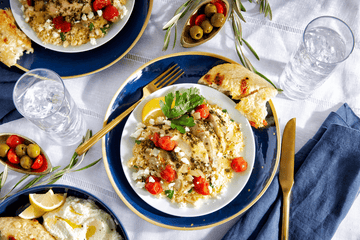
pixel 31 213
pixel 152 109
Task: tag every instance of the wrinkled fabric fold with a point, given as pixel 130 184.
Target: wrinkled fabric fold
pixel 327 181
pixel 8 78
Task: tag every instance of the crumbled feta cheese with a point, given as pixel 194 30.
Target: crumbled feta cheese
pixel 160 120
pixel 99 12
pixel 140 184
pixel 187 129
pixel 55 35
pixel 152 121
pixel 210 189
pixel 90 15
pixel 177 149
pixel 83 17
pixel 140 125
pixel 27 19
pixel 141 139
pixel 22 8
pixel 137 133
pixel 92 41
pixel 171 185
pixel 139 174
pixel 155 152
pixel 167 122
pixel 181 154
pixel 185 160
pixel 151 179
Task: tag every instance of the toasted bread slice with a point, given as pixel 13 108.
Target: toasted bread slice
pixel 13 42
pixel 241 84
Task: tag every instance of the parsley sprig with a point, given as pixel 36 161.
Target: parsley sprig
pixel 185 101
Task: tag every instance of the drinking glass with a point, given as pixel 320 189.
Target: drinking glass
pixel 327 41
pixel 41 97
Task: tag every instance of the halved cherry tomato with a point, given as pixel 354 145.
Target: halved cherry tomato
pixel 201 186
pixel 203 110
pixel 168 174
pixel 220 7
pixel 14 140
pixel 110 13
pixel 199 19
pixel 100 4
pixel 239 164
pixel 38 162
pixel 12 157
pixel 166 143
pixel 153 187
pixel 192 19
pixel 61 24
pixel 155 138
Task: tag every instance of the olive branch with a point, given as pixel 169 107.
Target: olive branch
pixel 46 179
pixel 236 17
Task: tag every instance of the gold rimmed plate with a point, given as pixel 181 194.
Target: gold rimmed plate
pixel 267 146
pixel 45 167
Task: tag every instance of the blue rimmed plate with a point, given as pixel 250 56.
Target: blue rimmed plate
pixel 267 144
pixel 69 65
pixel 15 204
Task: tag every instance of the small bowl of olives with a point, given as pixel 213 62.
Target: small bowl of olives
pixel 204 22
pixel 23 155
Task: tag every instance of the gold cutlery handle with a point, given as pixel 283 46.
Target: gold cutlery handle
pixel 89 143
pixel 285 215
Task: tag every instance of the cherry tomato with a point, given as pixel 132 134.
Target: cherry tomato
pixel 153 187
pixel 155 138
pixel 199 19
pixel 110 13
pixel 192 19
pixel 239 164
pixel 168 174
pixel 38 162
pixel 203 110
pixel 14 140
pixel 100 4
pixel 12 157
pixel 167 144
pixel 253 124
pixel 201 186
pixel 220 7
pixel 61 24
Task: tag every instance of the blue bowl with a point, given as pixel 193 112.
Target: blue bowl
pixel 15 204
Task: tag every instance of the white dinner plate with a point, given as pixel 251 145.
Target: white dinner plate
pixel 114 29
pixel 237 182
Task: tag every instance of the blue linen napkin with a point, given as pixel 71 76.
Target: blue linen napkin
pixel 327 181
pixel 8 78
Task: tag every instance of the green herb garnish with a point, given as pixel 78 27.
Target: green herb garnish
pixel 63 37
pixel 185 101
pixel 232 120
pixel 190 190
pixel 104 29
pixel 91 26
pixel 169 193
pixel 138 141
pixel 224 110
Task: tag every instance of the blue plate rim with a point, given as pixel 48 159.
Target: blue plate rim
pixel 107 166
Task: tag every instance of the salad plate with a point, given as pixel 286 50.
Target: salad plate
pixel 212 204
pixel 267 145
pixel 85 63
pixel 15 6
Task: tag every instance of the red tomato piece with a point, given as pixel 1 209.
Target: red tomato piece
pixel 203 110
pixel 100 4
pixel 110 13
pixel 239 164
pixel 38 162
pixel 12 157
pixel 61 24
pixel 29 2
pixel 14 140
pixel 66 27
pixel 253 124
pixel 201 186
pixel 192 19
pixel 166 143
pixel 168 174
pixel 155 138
pixel 243 86
pixel 153 187
pixel 199 19
pixel 220 7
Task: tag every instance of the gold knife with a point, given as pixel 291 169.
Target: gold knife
pixel 286 173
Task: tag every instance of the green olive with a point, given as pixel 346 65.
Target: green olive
pixel 196 32
pixel 206 26
pixel 210 9
pixel 217 20
pixel 4 148
pixel 26 162
pixel 20 150
pixel 33 150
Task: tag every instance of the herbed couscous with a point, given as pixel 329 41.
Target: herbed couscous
pixel 72 22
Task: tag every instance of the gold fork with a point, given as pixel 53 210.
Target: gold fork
pixel 165 79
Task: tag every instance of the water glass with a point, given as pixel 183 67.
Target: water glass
pixel 326 42
pixel 41 97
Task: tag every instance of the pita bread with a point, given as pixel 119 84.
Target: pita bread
pixel 13 42
pixel 241 84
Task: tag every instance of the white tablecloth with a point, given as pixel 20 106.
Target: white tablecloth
pixel 274 42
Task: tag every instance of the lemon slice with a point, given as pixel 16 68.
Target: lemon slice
pixel 152 110
pixel 48 201
pixel 31 213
